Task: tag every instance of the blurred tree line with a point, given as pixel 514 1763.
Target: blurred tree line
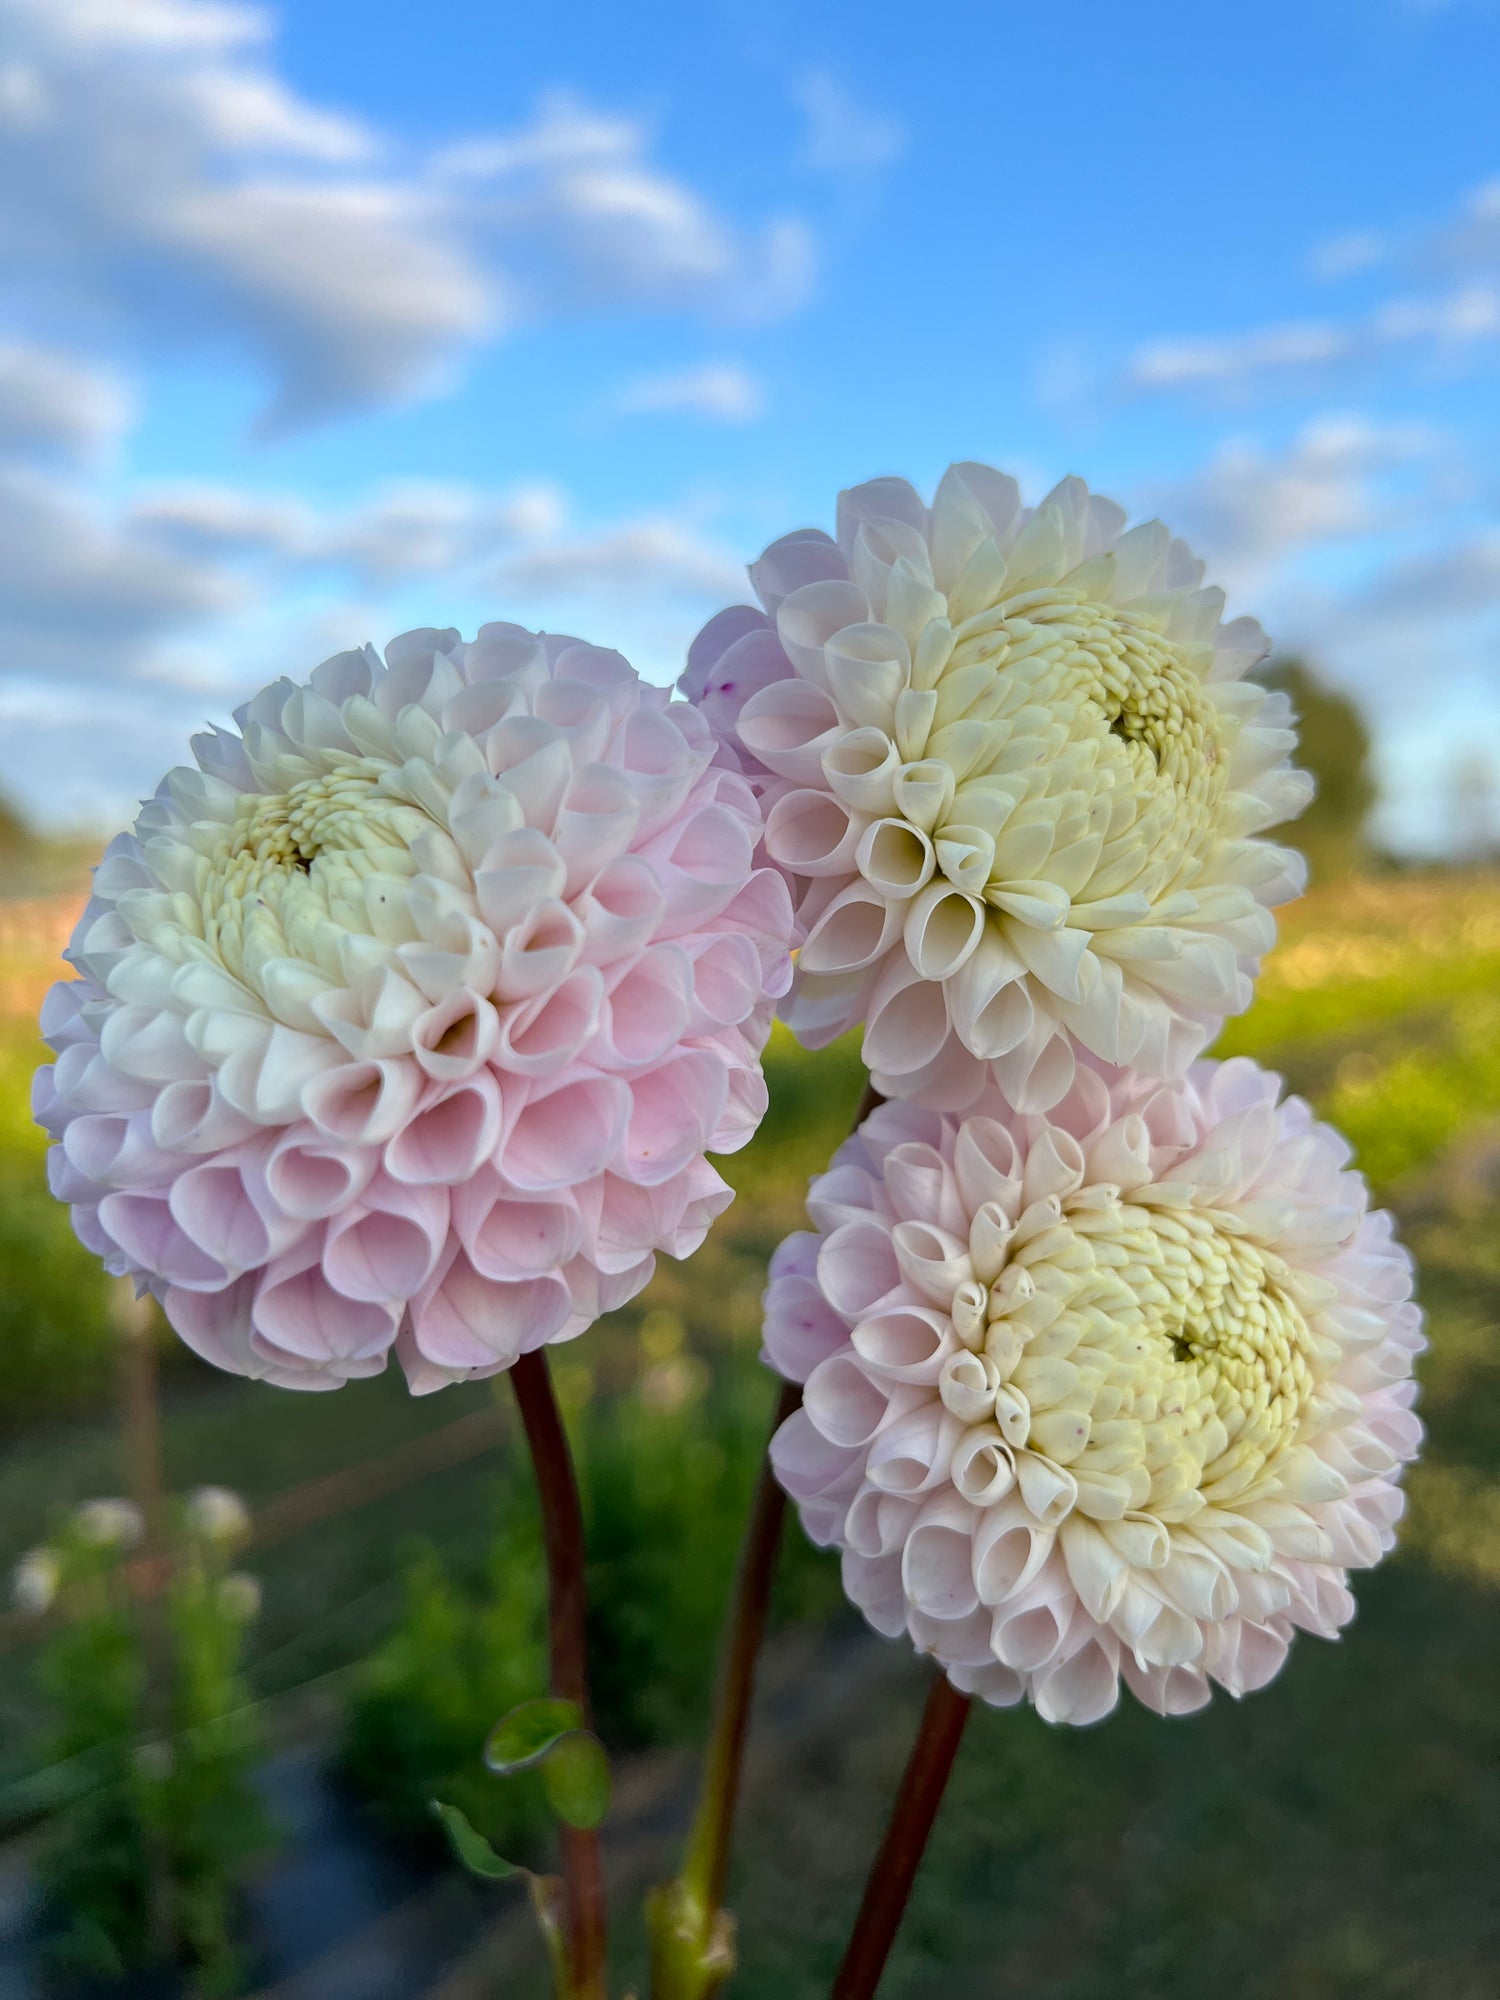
pixel 14 837
pixel 1333 833
pixel 35 864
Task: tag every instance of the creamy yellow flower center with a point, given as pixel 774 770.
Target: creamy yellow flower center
pixel 1155 1352
pixel 1125 711
pixel 299 870
pixel 344 812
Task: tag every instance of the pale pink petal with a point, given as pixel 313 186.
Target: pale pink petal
pixel 450 1135
pixel 568 1135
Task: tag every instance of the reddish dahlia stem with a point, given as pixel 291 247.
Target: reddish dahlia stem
pixel 889 1886
pixel 584 1909
pixel 135 1322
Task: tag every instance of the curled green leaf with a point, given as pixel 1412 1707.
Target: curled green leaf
pixel 471 1847
pixel 523 1738
pixel 575 1776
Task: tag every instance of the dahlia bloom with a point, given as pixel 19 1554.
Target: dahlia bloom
pixel 404 1021
pixel 1014 773
pixel 1120 1389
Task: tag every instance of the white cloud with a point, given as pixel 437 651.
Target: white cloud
pixel 843 135
pixel 121 630
pixel 82 595
pixel 160 183
pixel 1252 510
pixel 651 557
pixel 161 180
pixel 1347 541
pixel 408 528
pixel 429 528
pixel 223 521
pixel 579 215
pixel 719 389
pixel 1448 320
pixel 88 595
pixel 52 404
pixel 1346 256
pixel 1452 323
pixel 1229 360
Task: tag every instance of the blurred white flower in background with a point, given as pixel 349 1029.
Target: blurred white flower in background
pixel 218 1515
pixel 35 1581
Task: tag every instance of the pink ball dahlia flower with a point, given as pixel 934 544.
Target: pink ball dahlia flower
pixel 1015 773
pixel 405 1020
pixel 1123 1389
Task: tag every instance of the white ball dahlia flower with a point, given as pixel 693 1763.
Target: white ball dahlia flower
pixel 405 1020
pixel 1015 774
pixel 1121 1389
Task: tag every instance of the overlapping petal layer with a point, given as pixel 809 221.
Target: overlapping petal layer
pixel 406 1019
pixel 1121 1390
pixel 1015 774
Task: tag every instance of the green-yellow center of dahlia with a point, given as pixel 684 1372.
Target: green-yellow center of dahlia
pixel 1072 651
pixel 1092 726
pixel 1153 1350
pixel 331 855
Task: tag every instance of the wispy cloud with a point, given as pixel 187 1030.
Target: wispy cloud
pixel 843 135
pixel 84 595
pixel 1345 256
pixel 409 528
pixel 1229 360
pixel 1448 307
pixel 721 390
pixel 1256 510
pixel 650 556
pixel 575 211
pixel 118 623
pixel 53 405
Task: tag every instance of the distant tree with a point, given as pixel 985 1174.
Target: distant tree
pixel 15 835
pixel 1335 747
pixel 1474 806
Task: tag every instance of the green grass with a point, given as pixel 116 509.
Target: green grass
pixel 54 1323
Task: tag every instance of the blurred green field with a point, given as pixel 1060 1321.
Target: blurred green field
pixel 1334 1836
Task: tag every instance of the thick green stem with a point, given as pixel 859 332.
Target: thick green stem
pixel 895 1868
pixel 585 1920
pixel 692 1934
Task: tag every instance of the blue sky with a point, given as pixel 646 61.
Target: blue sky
pixel 318 324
